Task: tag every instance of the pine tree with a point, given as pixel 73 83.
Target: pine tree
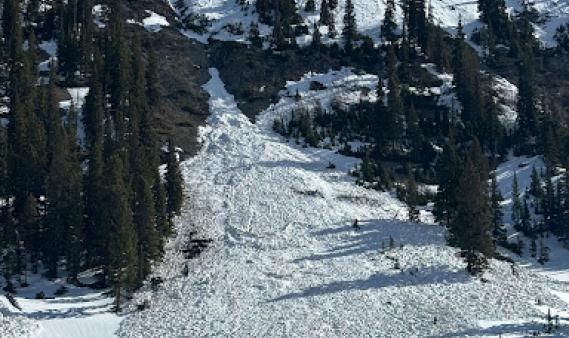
pixel 496 199
pixel 535 187
pixel 394 101
pixel 412 198
pixel 389 26
pixel 174 182
pixel 525 223
pixel 527 110
pixel 255 35
pixel 471 229
pixel 533 248
pixel 327 18
pixel 350 30
pixel 121 265
pixel 548 201
pixel 310 6
pixel 153 80
pixel 316 38
pixel 163 224
pixel 517 210
pixel 144 223
pixel 447 177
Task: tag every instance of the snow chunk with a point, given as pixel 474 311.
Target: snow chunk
pixel 154 22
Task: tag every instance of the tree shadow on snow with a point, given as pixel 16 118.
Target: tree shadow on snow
pixel 378 281
pixel 372 234
pixel 518 329
pixel 78 312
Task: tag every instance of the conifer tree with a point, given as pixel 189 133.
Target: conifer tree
pixel 517 210
pixel 350 31
pixel 153 80
pixel 173 182
pixel 412 198
pixel 255 35
pixel 496 199
pixel 394 101
pixel 316 43
pixel 527 110
pixel 310 6
pixel 121 265
pixel 447 177
pixel 163 224
pixel 389 26
pixel 471 229
pixel 144 223
pixel 535 187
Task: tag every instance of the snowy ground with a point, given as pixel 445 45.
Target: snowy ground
pixel 369 13
pixel 286 262
pixel 79 313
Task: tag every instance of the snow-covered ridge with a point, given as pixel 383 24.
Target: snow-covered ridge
pixel 286 261
pixel 224 13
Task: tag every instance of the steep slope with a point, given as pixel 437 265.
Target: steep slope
pixel 221 15
pixel 287 262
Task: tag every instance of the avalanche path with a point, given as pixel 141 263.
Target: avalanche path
pixel 285 260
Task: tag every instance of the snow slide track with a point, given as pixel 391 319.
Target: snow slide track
pixel 285 264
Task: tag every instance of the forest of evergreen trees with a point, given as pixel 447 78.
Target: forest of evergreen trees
pixel 66 207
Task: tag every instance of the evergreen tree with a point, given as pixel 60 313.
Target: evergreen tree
pixel 144 223
pixel 496 199
pixel 535 187
pixel 121 263
pixel 447 176
pixel 389 26
pixel 153 80
pixel 350 31
pixel 174 182
pixel 412 198
pixel 394 101
pixel 527 110
pixel 316 38
pixel 471 229
pixel 516 202
pixel 255 35
pixel 310 6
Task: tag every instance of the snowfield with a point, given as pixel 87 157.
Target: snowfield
pixel 224 13
pixel 286 261
pixel 80 313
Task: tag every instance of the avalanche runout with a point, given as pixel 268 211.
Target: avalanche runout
pixel 286 261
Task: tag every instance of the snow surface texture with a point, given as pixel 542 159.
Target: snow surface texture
pixel 12 323
pixel 286 262
pixel 224 13
pixel 80 313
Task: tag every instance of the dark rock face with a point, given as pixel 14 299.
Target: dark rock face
pixel 183 71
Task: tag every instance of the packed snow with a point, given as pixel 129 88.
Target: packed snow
pixel 286 261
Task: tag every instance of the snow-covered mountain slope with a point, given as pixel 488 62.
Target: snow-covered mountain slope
pixel 286 261
pixel 224 13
